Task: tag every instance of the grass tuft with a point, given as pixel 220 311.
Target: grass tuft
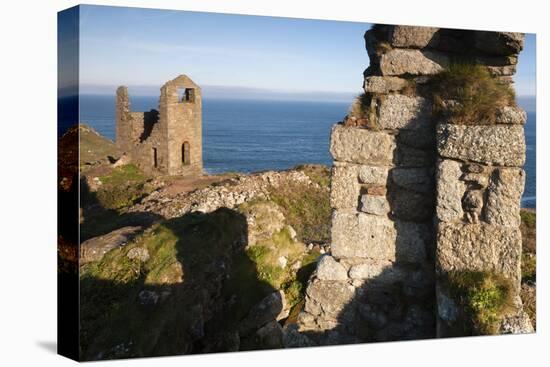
pixel 477 94
pixel 364 108
pixel 122 187
pixel 306 209
pixel 483 297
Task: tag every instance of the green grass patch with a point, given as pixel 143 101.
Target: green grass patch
pixel 528 267
pixel 318 173
pixel 477 93
pixel 190 257
pixel 483 298
pixel 266 255
pixel 529 245
pixel 123 175
pixel 122 187
pixel 306 209
pixel 528 218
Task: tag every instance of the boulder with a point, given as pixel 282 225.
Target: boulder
pixel 263 312
pixel 334 296
pixel 138 253
pixel 123 160
pixel 292 338
pixel 330 269
pixel 269 336
pixel 501 145
pixel 94 248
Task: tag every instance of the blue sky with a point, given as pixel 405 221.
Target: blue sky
pixel 231 54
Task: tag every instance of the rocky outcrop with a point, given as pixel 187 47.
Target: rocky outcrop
pixel 228 194
pixel 94 248
pixel 401 166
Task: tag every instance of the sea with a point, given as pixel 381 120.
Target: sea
pixel 257 135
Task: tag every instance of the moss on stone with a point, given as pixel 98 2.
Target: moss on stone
pixel 483 298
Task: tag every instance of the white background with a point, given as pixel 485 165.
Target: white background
pixel 28 182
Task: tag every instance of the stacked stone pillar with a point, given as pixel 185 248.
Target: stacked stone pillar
pixel 414 196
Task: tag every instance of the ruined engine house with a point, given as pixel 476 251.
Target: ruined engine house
pixel 167 141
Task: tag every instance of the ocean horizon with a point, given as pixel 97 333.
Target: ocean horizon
pixel 246 135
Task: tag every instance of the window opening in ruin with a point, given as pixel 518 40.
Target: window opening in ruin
pixel 185 157
pixel 186 95
pixel 155 158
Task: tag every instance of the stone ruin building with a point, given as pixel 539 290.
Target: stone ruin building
pixel 416 196
pixel 167 141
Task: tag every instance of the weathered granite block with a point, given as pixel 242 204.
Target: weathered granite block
pixel 375 175
pixel 497 61
pixel 478 180
pixel 382 271
pixel 498 71
pixel 383 84
pixel 479 247
pixel 344 189
pixel 449 191
pixel 408 156
pixel 330 269
pixel 333 296
pixel 412 62
pixel 511 115
pixel 502 145
pixel 504 197
pixel 499 43
pixel 362 146
pixel 419 139
pixel 374 204
pixel 375 237
pixel 362 235
pixel 412 36
pixel 412 241
pixel 416 179
pixel 411 205
pixel 397 111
